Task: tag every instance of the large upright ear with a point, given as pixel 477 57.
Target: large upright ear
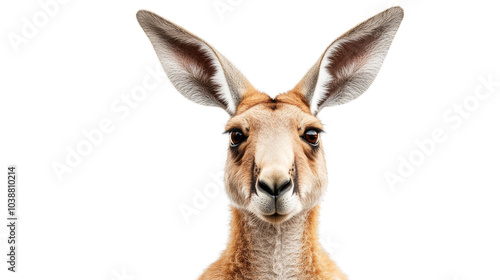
pixel 351 63
pixel 196 69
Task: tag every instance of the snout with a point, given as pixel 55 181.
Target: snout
pixel 274 190
pixel 274 196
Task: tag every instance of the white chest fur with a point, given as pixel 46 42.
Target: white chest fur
pixel 277 250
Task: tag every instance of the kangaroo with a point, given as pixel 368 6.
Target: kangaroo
pixel 275 172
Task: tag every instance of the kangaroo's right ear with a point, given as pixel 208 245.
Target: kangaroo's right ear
pixel 196 69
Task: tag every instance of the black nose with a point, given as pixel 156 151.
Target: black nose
pixel 274 191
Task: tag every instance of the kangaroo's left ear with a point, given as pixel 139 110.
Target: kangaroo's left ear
pixel 351 63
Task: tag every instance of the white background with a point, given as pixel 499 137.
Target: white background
pixel 116 214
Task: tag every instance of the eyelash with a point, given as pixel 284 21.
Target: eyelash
pixel 303 136
pixel 314 142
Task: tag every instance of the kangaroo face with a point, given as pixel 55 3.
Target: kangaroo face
pixel 275 166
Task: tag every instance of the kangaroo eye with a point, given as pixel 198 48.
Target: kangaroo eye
pixel 236 137
pixel 311 136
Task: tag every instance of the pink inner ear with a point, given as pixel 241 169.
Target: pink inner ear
pixel 349 57
pixel 192 57
pixel 195 61
pixel 200 73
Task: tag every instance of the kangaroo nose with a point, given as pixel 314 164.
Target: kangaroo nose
pixel 273 189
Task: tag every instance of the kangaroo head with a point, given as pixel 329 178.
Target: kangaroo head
pixel 275 165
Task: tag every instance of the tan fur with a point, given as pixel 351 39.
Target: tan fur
pixel 236 262
pixel 275 174
pixel 287 115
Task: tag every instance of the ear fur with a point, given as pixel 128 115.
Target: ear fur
pixel 350 64
pixel 195 68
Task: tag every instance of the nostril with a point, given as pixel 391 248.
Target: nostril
pixel 284 187
pixel 274 191
pixel 265 188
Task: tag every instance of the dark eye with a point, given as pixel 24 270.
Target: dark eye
pixel 236 137
pixel 311 136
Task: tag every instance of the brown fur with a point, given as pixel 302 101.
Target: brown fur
pixel 275 172
pixel 235 262
pixel 239 259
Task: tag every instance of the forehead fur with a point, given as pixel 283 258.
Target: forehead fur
pixel 254 97
pixel 258 109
